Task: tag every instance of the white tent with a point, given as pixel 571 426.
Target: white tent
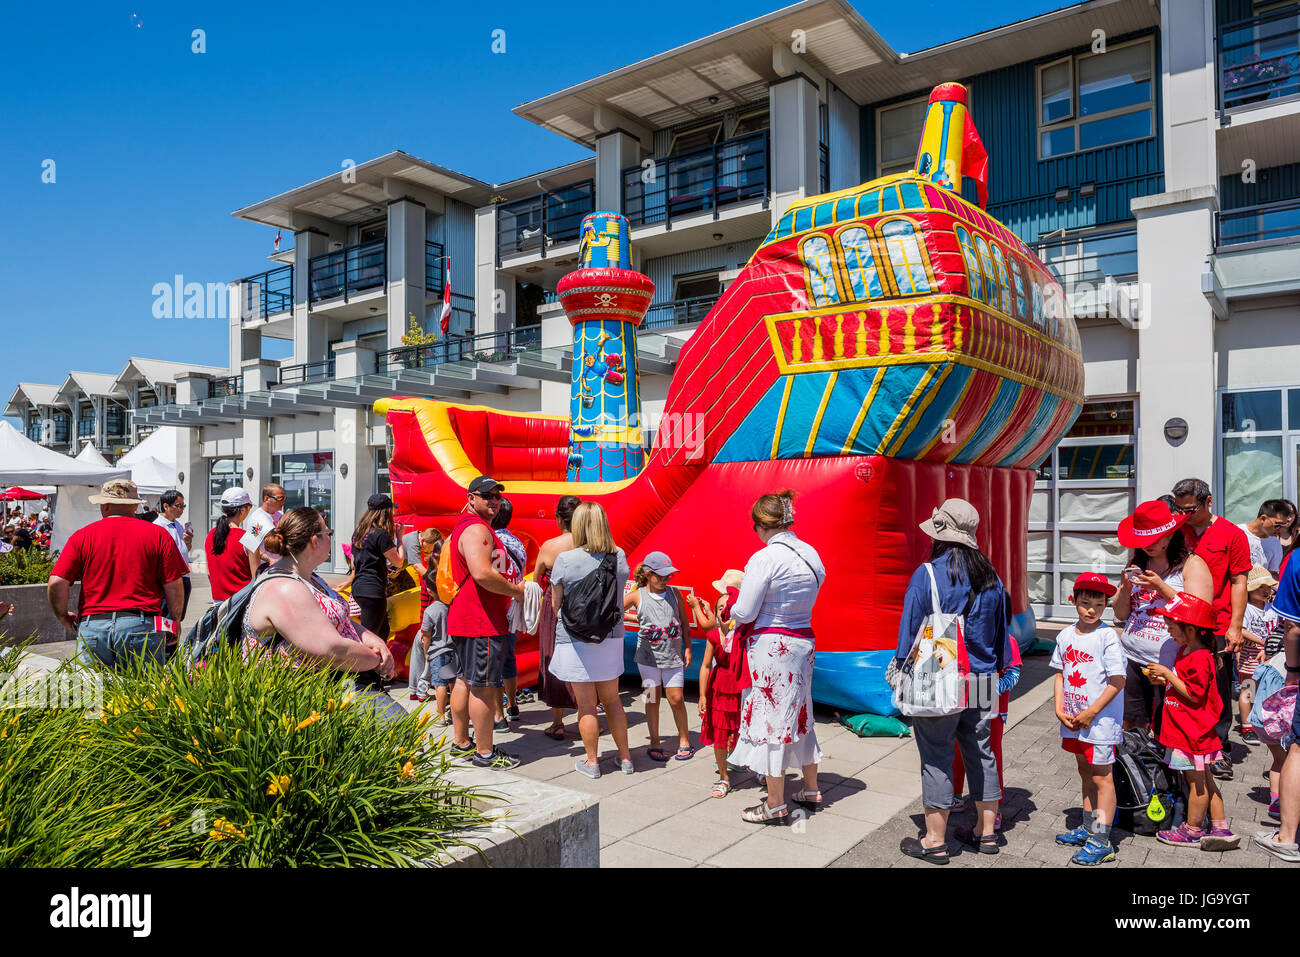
pixel 23 462
pixel 153 463
pixel 152 477
pixel 92 455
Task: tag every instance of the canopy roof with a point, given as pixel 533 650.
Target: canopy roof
pixel 23 462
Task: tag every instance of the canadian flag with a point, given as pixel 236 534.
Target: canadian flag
pixel 444 320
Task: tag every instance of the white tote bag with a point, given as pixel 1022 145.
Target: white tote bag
pixel 932 680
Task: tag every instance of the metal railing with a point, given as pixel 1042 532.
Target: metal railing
pixel 34 432
pixel 268 293
pixel 541 221
pixel 485 347
pixel 348 271
pixel 1259 58
pixel 679 312
pixel 434 270
pixel 228 385
pixel 734 171
pixel 1090 257
pixel 1267 222
pixel 307 372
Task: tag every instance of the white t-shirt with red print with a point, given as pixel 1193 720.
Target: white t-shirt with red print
pixel 1086 661
pixel 1146 633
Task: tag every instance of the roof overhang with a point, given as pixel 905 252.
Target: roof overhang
pixel 359 194
pixel 735 66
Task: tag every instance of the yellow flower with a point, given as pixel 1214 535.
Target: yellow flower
pixel 310 719
pixel 180 704
pixel 425 718
pixel 407 770
pixel 238 732
pixel 196 742
pixel 348 698
pixel 221 829
pixel 148 703
pixel 192 759
pixel 131 734
pixel 329 708
pixel 279 785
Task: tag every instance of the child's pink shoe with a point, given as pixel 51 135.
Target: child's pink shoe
pixel 1181 836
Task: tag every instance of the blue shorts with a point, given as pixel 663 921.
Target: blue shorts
pixel 509 666
pixel 442 669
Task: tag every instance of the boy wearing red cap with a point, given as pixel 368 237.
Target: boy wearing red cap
pixel 1089 693
pixel 1191 710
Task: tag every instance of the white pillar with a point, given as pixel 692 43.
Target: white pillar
pixel 352 490
pixel 309 338
pixel 487 317
pixel 793 142
pixel 615 151
pixel 405 267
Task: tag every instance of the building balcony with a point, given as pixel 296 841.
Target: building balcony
pixel 227 385
pixel 85 428
pixel 307 372
pixel 1259 59
pixel 679 312
pixel 349 272
pixel 34 432
pixel 1265 224
pixel 537 224
pixel 1256 253
pixel 487 347
pixel 267 295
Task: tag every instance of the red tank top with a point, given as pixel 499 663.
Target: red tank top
pixel 476 612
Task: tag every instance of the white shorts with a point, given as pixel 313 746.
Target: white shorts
pixel 663 677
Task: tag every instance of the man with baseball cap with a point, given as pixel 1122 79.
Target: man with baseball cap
pixel 477 623
pixel 127 569
pixel 259 522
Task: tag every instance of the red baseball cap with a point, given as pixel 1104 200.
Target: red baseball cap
pixel 1190 610
pixel 1151 522
pixel 1091 581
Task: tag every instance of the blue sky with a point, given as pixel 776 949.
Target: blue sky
pixel 155 145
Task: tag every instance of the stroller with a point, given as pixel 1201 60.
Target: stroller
pixel 1148 796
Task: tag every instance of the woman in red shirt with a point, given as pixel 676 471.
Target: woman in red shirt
pixel 227 561
pixel 1191 710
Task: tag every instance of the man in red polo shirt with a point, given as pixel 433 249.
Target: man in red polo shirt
pixel 127 568
pixel 1223 548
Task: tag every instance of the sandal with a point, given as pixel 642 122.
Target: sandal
pixel 984 843
pixel 684 754
pixel 762 814
pixel 555 734
pixel 657 754
pixel 721 788
pixel 805 798
pixel 912 847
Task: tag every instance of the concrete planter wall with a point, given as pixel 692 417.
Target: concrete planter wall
pixel 32 614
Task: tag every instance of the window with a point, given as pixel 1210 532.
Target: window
pixel 371 231
pixel 382 482
pixel 1017 273
pixel 62 426
pixel 860 263
pixel 1004 279
pixel 821 271
pixel 1096 99
pixel 222 474
pixel 694 296
pixel 1038 305
pixel 975 276
pixel 752 122
pixel 1259 450
pixel 696 138
pixel 308 479
pixel 898 134
pixel 116 421
pixel 991 282
pixel 905 257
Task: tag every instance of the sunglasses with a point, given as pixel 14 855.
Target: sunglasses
pixel 490 496
pixel 1185 509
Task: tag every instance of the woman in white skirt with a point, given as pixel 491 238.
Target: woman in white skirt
pixel 592 668
pixel 776 714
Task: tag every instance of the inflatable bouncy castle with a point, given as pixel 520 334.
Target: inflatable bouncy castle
pixel 885 348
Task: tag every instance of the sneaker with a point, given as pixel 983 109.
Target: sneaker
pixel 590 770
pixel 1180 836
pixel 626 767
pixel 502 725
pixel 417 697
pixel 1094 851
pixel 525 696
pixel 1075 838
pixel 498 760
pixel 600 709
pixel 1220 839
pixel 1249 736
pixel 458 752
pixel 959 803
pixel 445 720
pixel 1286 852
pixel 1222 769
pixel 1274 812
pixel 513 713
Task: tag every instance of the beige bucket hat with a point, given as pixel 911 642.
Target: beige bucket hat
pixel 117 492
pixel 731 578
pixel 954 521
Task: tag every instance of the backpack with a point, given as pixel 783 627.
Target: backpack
pixel 223 623
pixel 932 679
pixel 1146 794
pixel 445 580
pixel 592 607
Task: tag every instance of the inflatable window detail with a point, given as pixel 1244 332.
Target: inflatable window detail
pixel 821 271
pixel 860 263
pixel 974 267
pixel 905 257
pixel 1004 278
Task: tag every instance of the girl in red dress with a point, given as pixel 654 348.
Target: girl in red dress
pixel 722 673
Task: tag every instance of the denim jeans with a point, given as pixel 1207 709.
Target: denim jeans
pixel 113 641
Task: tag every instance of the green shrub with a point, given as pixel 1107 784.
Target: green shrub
pixel 235 765
pixel 25 566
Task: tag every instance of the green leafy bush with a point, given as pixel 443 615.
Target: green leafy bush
pixel 25 566
pixel 234 765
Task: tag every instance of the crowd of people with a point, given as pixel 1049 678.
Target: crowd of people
pixel 1206 622
pixel 23 531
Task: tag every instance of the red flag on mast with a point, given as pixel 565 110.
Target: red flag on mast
pixel 975 161
pixel 444 321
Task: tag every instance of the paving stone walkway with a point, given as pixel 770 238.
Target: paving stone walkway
pixel 1042 789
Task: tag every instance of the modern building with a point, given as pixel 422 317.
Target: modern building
pixel 1149 151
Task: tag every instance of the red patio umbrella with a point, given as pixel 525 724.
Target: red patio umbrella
pixel 17 494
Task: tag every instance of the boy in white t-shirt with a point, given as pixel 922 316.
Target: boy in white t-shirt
pixel 1089 692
